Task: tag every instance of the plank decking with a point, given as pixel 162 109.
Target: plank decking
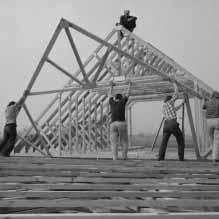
pixel 64 185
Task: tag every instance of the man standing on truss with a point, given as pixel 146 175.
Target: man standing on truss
pixel 127 21
pixel 171 126
pixel 118 126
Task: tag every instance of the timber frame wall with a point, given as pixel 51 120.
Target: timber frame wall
pixel 80 122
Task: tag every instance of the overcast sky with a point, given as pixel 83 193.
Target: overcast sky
pixel 186 30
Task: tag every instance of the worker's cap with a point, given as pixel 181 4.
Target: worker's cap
pixel 126 11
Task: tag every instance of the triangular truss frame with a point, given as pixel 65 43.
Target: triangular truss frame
pixel 148 71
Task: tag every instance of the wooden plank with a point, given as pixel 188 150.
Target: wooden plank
pixel 183 120
pixel 131 180
pixel 76 122
pixel 191 215
pixel 94 172
pixel 70 125
pixel 60 124
pixel 102 63
pixel 37 131
pixel 74 48
pixel 109 194
pixel 101 123
pixel 38 186
pixel 108 165
pixel 90 126
pixel 83 127
pixel 44 172
pixel 155 139
pixel 63 71
pixel 58 203
pixel 32 145
pixel 189 112
pixel 105 162
pixel 99 173
pixel 130 125
pixel 23 179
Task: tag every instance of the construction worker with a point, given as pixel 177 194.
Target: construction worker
pixel 212 115
pixel 118 126
pixel 127 21
pixel 10 131
pixel 171 126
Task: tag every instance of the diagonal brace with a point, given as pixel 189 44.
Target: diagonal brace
pixel 189 112
pixel 63 71
pixel 73 46
pixel 102 63
pixel 35 127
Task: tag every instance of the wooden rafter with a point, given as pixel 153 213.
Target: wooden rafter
pixel 64 71
pixel 74 48
pixel 101 64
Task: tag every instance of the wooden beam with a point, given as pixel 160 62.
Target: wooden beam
pixel 83 126
pixel 185 203
pixel 101 123
pixel 189 112
pixel 130 126
pixel 36 129
pixel 30 118
pixel 95 124
pixel 74 48
pixel 60 124
pixel 63 71
pixel 207 153
pixel 32 145
pixel 110 194
pixel 45 55
pixel 183 119
pixel 76 122
pixel 190 215
pixel 102 64
pixel 155 139
pixel 70 125
pixel 144 84
pixel 90 126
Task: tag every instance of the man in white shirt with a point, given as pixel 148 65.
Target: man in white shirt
pixel 10 131
pixel 171 126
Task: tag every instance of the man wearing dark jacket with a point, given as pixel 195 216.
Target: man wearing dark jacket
pixel 118 127
pixel 128 21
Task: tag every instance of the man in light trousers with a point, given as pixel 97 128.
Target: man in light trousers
pixel 212 116
pixel 118 126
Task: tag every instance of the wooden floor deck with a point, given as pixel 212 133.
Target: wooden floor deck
pixel 141 188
